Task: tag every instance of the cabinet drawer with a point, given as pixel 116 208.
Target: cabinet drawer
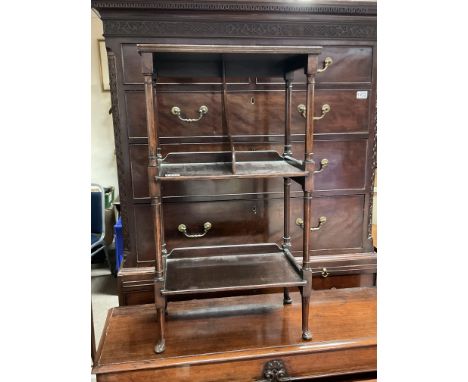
pixel 343 229
pixel 348 113
pixel 350 64
pixel 261 112
pixel 233 222
pixel 170 125
pixel 253 221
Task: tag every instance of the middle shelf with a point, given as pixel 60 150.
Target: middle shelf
pixel 227 268
pixel 227 165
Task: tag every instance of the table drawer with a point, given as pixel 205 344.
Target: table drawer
pixel 252 221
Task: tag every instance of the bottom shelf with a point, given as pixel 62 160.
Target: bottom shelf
pixel 225 268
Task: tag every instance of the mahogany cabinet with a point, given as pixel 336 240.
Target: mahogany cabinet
pixel 342 251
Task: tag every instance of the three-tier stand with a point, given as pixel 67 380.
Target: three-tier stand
pixel 189 271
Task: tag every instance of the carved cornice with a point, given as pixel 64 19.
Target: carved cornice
pixel 318 30
pixel 364 8
pixel 123 187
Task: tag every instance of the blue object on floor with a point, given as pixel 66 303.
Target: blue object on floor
pixel 118 244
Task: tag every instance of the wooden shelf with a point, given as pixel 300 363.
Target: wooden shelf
pixel 218 165
pixel 225 268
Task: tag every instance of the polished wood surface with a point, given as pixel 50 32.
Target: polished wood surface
pixel 253 329
pixel 222 271
pixel 345 136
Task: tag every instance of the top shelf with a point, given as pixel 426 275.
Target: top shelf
pixel 185 61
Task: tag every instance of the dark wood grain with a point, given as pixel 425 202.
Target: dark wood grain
pixel 254 330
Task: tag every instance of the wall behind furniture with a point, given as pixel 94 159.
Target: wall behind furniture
pixel 103 161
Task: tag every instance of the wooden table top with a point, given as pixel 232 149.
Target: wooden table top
pixel 235 328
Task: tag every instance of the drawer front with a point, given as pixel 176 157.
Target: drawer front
pixel 351 64
pixel 346 170
pixel 170 125
pixel 233 222
pixel 349 111
pixel 253 221
pixel 259 113
pixel 344 226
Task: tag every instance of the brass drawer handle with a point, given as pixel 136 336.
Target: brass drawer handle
pixel 323 165
pixel 326 63
pixel 325 273
pixel 322 221
pixel 325 109
pixel 202 111
pixel 183 228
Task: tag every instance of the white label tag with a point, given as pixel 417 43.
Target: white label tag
pixel 361 94
pixel 172 175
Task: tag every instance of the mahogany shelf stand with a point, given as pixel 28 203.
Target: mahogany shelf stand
pixel 185 271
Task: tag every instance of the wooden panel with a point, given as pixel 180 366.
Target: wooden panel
pixel 131 64
pixel 254 330
pixel 251 113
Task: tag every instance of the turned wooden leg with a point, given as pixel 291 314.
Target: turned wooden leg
pixel 160 302
pixel 161 345
pixel 306 291
pixel 287 299
pixel 306 334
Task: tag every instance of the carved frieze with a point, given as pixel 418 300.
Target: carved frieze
pixel 317 30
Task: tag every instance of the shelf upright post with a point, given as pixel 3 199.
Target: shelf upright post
pixel 154 159
pixel 309 166
pixel 287 181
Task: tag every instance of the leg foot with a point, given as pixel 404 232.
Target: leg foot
pixel 286 299
pixel 160 346
pixel 307 335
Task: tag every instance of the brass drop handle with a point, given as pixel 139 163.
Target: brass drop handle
pixel 322 221
pixel 202 111
pixel 325 273
pixel 325 109
pixel 323 165
pixel 326 63
pixel 183 228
